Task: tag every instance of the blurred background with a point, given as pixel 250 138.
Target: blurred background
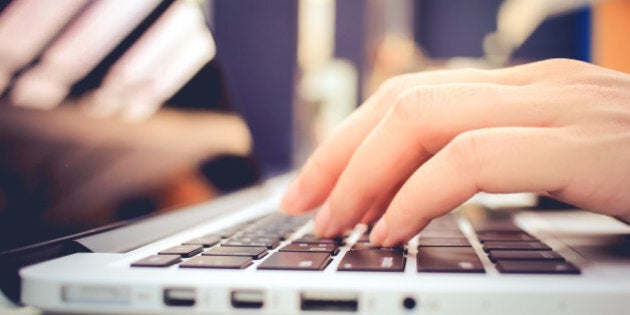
pixel 113 109
pixel 304 65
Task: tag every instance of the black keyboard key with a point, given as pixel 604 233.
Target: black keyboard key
pixel 304 247
pixel 217 262
pixel 205 241
pixel 271 244
pixel 443 242
pixel 488 246
pixel 312 239
pixel 282 220
pixel 183 250
pixel 263 234
pixel 228 232
pixel 505 237
pixel 368 246
pixel 372 260
pixel 444 226
pixel 269 229
pixel 448 259
pixel 295 261
pixel 537 267
pixel 500 255
pixel 158 261
pixel 252 252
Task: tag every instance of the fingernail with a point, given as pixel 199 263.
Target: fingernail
pixel 290 198
pixel 323 224
pixel 379 233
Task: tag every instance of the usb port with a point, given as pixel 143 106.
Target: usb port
pixel 247 299
pixel 179 297
pixel 329 301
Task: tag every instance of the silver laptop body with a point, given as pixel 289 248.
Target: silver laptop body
pixel 106 282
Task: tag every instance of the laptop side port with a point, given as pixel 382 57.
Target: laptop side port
pixel 179 297
pixel 329 301
pixel 252 299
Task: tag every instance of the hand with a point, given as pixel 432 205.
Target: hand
pixel 425 143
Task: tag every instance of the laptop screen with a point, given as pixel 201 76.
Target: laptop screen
pixel 110 110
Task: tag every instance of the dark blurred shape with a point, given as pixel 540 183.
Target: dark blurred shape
pixel 457 27
pixel 622 245
pixel 231 172
pixel 258 45
pixel 350 35
pixel 135 208
pixel 545 202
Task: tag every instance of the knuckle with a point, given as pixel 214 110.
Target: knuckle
pixel 405 108
pixel 389 84
pixel 414 105
pixel 559 67
pixel 394 84
pixel 465 153
pixel 425 110
pixel 389 90
pixel 563 63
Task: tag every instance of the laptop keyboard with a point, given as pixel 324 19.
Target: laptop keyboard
pixel 279 243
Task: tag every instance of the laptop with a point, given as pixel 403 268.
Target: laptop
pixel 237 253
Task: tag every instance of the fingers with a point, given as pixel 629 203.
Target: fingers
pixel 322 169
pixel 422 121
pixel 321 172
pixel 497 160
pixel 378 208
pixel 437 123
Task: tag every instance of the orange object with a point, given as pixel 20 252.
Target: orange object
pixel 611 34
pixel 189 188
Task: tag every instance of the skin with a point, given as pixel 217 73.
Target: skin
pixel 425 143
